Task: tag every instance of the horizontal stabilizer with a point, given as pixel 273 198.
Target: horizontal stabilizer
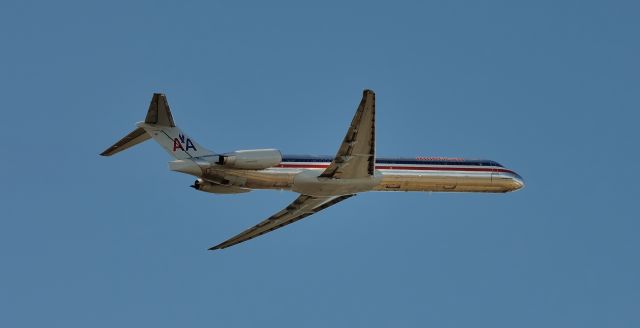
pixel 159 125
pixel 135 137
pixel 159 112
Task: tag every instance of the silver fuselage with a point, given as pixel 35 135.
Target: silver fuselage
pixel 300 173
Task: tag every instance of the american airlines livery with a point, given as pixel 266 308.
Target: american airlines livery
pixel 321 181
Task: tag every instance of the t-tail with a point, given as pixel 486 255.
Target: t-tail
pixel 160 126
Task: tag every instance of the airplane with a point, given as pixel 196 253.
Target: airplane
pixel 321 181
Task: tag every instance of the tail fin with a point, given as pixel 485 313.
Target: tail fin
pixel 133 138
pixel 159 125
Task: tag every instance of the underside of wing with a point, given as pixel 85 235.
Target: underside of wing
pixel 302 207
pixel 356 156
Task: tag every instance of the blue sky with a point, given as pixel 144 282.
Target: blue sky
pixel 547 88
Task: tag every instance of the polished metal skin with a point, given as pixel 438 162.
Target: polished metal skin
pixel 321 181
pixel 434 178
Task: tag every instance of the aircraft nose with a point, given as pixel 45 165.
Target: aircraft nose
pixel 518 181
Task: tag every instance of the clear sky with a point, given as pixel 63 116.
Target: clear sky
pixel 547 88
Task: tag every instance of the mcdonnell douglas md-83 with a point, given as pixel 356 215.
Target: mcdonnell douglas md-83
pixel 321 181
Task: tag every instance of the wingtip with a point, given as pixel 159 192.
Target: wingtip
pixel 368 91
pixel 108 151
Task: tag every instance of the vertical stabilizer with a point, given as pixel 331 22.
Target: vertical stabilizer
pixel 133 138
pixel 160 126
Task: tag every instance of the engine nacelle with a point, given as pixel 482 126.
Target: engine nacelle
pixel 207 186
pixel 255 159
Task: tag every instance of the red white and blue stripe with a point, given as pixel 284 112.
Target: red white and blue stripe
pixel 402 164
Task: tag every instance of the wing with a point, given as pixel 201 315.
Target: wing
pixel 356 156
pixel 302 207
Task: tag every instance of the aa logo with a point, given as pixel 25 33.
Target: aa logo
pixel 180 143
